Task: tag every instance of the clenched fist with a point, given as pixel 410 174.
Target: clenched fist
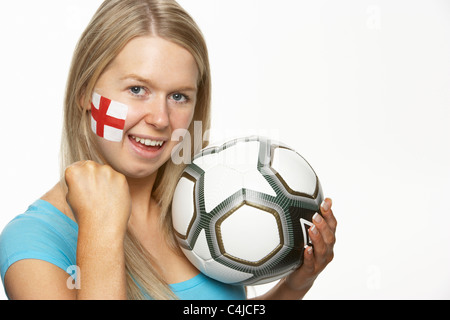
pixel 99 197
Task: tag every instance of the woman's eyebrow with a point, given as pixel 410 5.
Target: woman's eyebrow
pixel 135 77
pixel 140 79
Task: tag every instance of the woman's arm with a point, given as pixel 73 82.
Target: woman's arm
pixel 316 258
pixel 100 200
pixel 101 266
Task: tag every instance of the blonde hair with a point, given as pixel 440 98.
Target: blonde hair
pixel 114 24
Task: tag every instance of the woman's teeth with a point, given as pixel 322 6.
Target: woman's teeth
pixel 148 142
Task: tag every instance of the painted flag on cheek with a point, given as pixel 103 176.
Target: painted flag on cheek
pixel 108 118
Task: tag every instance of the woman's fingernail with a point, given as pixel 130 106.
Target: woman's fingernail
pixel 314 230
pixel 317 218
pixel 308 249
pixel 325 206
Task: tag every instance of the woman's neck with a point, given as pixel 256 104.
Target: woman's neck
pixel 142 203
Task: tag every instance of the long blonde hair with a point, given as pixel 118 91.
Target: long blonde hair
pixel 114 24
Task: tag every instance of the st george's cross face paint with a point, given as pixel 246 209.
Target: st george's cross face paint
pixel 108 118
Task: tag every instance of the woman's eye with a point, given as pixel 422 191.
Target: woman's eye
pixel 178 97
pixel 137 91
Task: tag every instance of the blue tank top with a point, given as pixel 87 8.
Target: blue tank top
pixel 45 233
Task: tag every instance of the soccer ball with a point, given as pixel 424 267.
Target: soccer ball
pixel 241 210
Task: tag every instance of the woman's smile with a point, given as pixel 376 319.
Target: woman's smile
pixel 147 148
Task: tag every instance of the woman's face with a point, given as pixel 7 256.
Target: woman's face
pixel 157 80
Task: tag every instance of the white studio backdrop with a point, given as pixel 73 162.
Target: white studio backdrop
pixel 360 88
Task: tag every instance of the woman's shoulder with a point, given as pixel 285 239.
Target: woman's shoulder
pixel 39 217
pixel 42 232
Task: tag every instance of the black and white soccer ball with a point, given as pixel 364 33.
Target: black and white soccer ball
pixel 241 210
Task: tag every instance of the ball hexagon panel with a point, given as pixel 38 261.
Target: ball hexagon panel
pixel 249 234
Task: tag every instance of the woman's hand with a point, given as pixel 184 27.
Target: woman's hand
pixel 98 196
pixel 317 257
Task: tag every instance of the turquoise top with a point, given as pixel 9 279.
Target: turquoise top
pixel 45 233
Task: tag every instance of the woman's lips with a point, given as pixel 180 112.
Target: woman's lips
pixel 147 147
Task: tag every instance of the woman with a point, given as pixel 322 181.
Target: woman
pixel 107 222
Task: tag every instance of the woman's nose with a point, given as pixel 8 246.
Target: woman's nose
pixel 157 113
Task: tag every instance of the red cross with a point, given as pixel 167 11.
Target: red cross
pixel 103 119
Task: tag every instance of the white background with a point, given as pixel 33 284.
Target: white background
pixel 360 88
